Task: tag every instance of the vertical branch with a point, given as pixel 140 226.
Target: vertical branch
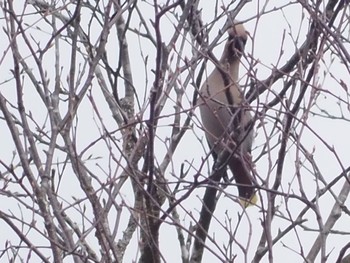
pixel 40 192
pixel 150 251
pixel 208 208
pixel 333 217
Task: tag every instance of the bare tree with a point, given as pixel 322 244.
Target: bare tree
pixel 103 156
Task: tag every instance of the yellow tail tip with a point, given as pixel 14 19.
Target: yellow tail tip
pixel 249 202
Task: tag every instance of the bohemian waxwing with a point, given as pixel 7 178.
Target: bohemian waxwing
pixel 226 119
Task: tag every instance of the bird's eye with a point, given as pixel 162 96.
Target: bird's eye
pixel 230 37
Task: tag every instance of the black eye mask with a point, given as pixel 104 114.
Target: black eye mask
pixel 236 46
pixel 239 43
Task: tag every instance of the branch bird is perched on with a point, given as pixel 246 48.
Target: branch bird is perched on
pixel 226 120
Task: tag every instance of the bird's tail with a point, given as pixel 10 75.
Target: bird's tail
pixel 245 185
pixel 249 202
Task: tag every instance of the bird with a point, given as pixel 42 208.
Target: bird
pixel 225 114
pixel 346 259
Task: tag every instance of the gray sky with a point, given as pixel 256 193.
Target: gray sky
pixel 273 33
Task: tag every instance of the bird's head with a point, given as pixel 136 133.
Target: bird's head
pixel 237 38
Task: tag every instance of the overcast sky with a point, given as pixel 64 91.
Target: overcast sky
pixel 273 33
